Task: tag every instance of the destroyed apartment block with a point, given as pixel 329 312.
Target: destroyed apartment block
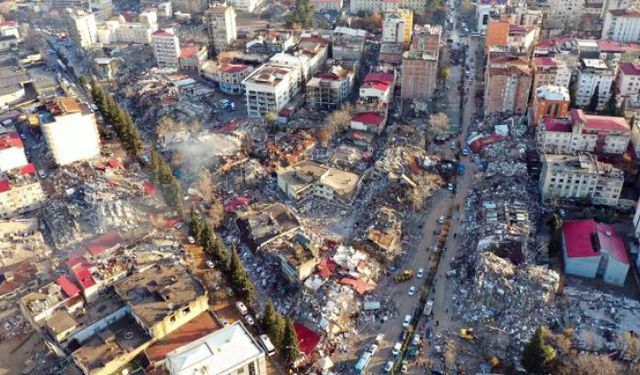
pixel 260 226
pixel 21 239
pixel 386 231
pixel 307 180
pixel 297 255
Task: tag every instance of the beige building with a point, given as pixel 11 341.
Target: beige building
pixel 229 351
pixel 420 63
pixel 20 191
pixel 220 21
pixel 163 298
pixel 397 27
pixel 82 26
pixel 580 177
pixel 166 49
pixel 307 179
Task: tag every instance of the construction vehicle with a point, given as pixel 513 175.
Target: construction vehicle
pixel 403 276
pixel 467 334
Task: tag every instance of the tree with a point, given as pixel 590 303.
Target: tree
pixel 290 346
pixel 593 102
pixel 239 279
pixel 438 124
pixel 270 117
pixel 337 121
pixel 301 16
pixel 537 354
pixel 195 224
pixel 273 324
pixel 215 212
pixel 445 72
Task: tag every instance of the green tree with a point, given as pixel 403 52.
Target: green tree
pixel 610 107
pixel 195 226
pixel 593 102
pixel 445 72
pixel 573 91
pixel 221 253
pixel 302 15
pixel 273 324
pixel 290 346
pixel 537 354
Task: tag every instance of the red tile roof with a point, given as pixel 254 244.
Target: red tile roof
pixel 307 339
pixel 194 329
pixel 189 51
pixel 232 68
pixel 557 125
pixel 379 77
pixel 4 185
pixel 236 203
pixel 617 46
pixel 104 242
pixel 8 24
pixel 10 140
pixel 68 286
pixel 630 69
pixel 368 118
pixel 600 123
pixel 326 267
pixel 28 169
pixel 544 61
pixel 579 244
pixel 481 143
pixel 625 12
pixel 162 32
pixel 83 276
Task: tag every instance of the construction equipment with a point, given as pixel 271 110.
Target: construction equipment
pixel 467 334
pixel 403 276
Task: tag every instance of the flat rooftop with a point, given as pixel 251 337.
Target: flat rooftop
pixel 268 75
pixel 12 79
pixel 159 291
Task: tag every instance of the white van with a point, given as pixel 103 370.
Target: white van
pixel 268 345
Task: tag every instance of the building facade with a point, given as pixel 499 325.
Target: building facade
pixel 12 154
pixel 584 133
pixel 593 74
pixel 166 49
pixel 330 88
pixel 508 80
pixel 70 130
pixel 420 63
pixel 230 77
pixel 549 102
pixel 82 27
pixel 220 21
pixel 628 83
pixel 371 6
pixel 269 88
pixel 20 191
pixel 335 5
pixel 550 71
pixel 308 179
pixel 580 177
pixel 247 6
pixel 397 27
pixel 622 25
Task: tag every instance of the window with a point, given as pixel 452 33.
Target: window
pixel 252 368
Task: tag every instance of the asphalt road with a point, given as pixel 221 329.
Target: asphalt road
pixel 421 250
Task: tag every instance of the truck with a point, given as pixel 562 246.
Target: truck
pixel 428 308
pixel 460 168
pixel 362 363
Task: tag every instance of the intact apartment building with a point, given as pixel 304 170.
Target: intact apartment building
pixel 70 130
pixel 622 25
pixel 307 179
pixel 372 105
pixel 101 8
pixel 12 154
pixel 397 27
pixel 371 6
pixel 565 14
pixel 166 49
pixel 549 102
pixel 220 21
pixel 628 83
pixel 487 8
pixel 508 80
pixel 269 88
pixel 584 133
pixel 82 27
pixel 230 77
pixel 331 87
pixel 335 5
pixel 247 6
pixel 119 30
pixel 580 177
pixel 20 191
pixel 593 73
pixel 550 71
pixel 230 350
pixel 420 63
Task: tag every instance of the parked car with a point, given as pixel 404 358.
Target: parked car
pixel 209 264
pixel 407 321
pixel 242 308
pixel 388 366
pixel 396 349
pixel 420 273
pixel 379 338
pixel 412 290
pixel 249 320
pixel 441 219
pixel 373 349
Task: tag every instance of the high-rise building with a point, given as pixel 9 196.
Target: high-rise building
pixel 250 5
pixel 397 27
pixel 594 76
pixel 101 8
pixel 20 191
pixel 220 21
pixel 166 49
pixel 269 88
pixel 356 6
pixel 550 71
pixel 82 27
pixel 628 83
pixel 622 25
pixel 420 63
pixel 507 84
pixel 327 4
pixel 70 130
pixel 549 102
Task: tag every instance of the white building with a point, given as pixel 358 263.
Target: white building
pixel 20 191
pixel 308 179
pixel 230 350
pixel 580 177
pixel 11 152
pixel 8 28
pixel 622 25
pixel 594 73
pixel 397 27
pixel 269 88
pixel 565 13
pixel 220 21
pixel 584 133
pixel 591 249
pixel 245 5
pixel 230 77
pixel 101 8
pixel 306 58
pixel 485 9
pixel 82 27
pixel 70 130
pixel 166 49
pixel 628 83
pixel 356 6
pixel 331 87
pixel 335 5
